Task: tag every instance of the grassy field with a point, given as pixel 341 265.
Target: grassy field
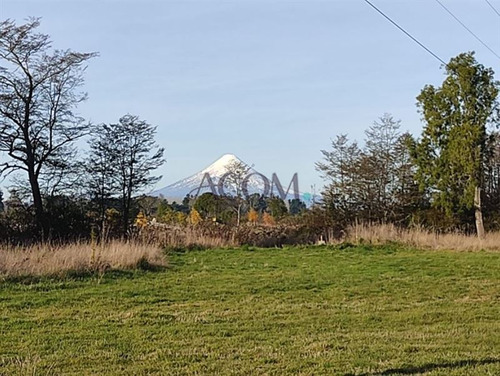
pixel 301 311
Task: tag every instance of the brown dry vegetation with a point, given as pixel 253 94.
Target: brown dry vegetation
pixel 215 235
pixel 148 250
pixel 203 236
pixel 421 238
pixel 79 257
pixel 285 234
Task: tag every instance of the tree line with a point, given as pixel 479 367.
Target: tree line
pixel 58 193
pixel 40 89
pixel 447 179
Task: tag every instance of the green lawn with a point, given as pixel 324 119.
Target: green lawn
pixel 300 311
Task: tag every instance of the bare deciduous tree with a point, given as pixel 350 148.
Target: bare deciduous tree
pixel 232 181
pixel 124 155
pixel 39 91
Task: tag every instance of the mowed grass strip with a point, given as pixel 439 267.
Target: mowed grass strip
pixel 300 311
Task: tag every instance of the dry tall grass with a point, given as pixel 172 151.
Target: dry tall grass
pixel 226 236
pixel 53 260
pixel 209 236
pixel 47 259
pixel 421 238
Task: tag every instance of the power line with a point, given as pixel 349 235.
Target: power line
pixel 492 7
pixel 414 39
pixel 466 28
pixel 404 31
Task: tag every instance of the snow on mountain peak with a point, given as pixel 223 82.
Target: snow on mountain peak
pixel 182 187
pixel 197 183
pixel 219 167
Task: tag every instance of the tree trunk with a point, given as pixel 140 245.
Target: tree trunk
pixel 478 213
pixel 41 222
pixel 126 214
pixel 102 210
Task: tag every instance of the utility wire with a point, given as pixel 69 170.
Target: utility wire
pixel 404 31
pixel 466 28
pixel 412 38
pixel 492 7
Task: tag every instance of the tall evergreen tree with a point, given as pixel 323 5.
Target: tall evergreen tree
pixel 451 153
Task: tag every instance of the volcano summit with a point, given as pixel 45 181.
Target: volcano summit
pixel 212 179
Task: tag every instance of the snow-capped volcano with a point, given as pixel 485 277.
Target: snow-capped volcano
pixel 190 185
pixel 221 165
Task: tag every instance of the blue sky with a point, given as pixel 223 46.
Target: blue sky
pixel 270 81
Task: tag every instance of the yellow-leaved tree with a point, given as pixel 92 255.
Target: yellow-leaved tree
pixel 141 220
pixel 194 217
pixel 268 219
pixel 253 216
